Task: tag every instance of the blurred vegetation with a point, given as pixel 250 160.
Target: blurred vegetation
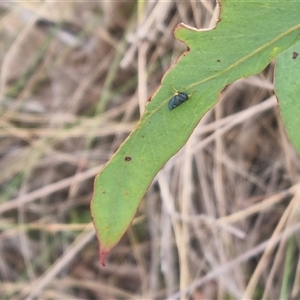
pixel 75 77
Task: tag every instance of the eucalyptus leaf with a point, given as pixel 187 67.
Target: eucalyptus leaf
pixel 248 36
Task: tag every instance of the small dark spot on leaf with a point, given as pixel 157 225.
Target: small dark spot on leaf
pixel 218 60
pixel 103 192
pixel 126 194
pixel 127 158
pixel 295 54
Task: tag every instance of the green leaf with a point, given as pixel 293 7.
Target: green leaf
pixel 248 36
pixel 287 89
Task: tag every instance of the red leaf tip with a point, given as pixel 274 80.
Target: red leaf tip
pixel 102 255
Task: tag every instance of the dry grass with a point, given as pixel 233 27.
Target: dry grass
pixel 219 220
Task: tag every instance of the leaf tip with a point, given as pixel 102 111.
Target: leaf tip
pixel 102 255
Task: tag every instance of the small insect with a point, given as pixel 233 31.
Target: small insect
pixel 178 99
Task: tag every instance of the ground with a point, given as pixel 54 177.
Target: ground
pixel 74 78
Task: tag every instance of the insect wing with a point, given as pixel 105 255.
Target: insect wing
pixel 177 100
